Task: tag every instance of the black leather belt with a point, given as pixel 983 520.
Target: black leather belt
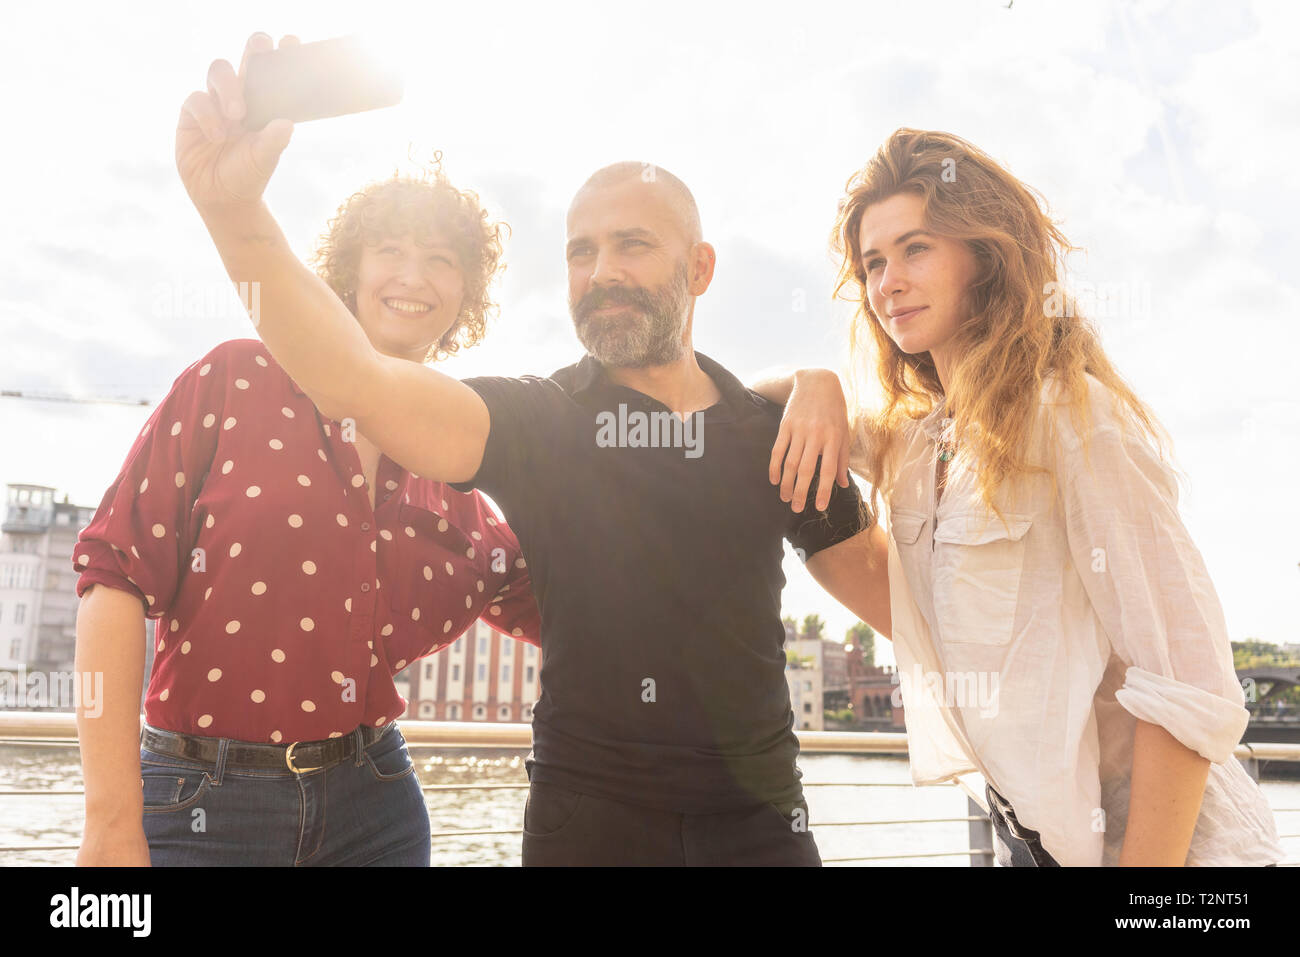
pixel 300 756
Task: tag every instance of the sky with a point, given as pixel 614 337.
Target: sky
pixel 1161 134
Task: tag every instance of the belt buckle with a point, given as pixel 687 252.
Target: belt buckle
pixel 288 760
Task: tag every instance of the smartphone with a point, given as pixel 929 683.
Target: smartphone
pixel 317 80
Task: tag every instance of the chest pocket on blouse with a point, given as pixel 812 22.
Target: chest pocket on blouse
pixel 905 525
pixel 978 562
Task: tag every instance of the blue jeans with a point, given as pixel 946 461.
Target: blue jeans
pixel 203 814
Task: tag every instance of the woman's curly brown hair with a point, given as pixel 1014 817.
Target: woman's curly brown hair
pixel 416 206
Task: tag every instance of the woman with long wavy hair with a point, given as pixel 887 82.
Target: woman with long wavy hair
pixel 1056 629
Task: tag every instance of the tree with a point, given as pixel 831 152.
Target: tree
pixel 813 626
pixel 863 637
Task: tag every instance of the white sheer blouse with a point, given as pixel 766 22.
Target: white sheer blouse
pixel 1028 649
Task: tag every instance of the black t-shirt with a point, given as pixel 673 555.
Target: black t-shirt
pixel 655 554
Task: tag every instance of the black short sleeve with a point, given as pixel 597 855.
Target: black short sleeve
pixel 522 414
pixel 811 530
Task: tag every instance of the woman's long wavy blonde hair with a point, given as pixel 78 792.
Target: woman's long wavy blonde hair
pixel 1022 326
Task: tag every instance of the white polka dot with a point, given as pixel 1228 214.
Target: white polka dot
pixel 232 627
pixel 479 584
pixel 176 428
pixel 207 367
pixel 390 485
pixel 180 479
pixel 468 602
pixel 235 549
pixel 162 645
pixel 495 609
pixel 287 412
pixel 520 563
pixel 260 361
pixel 400 665
pixel 204 720
pixel 442 524
pixel 492 521
pixel 415 614
pixel 208 420
pixel 277 655
pixel 185 648
pixel 446 626
pixel 373 661
pixel 83 559
pixel 428 573
pixel 336 734
pixel 450 570
pixel 149 599
pixel 307 624
pixel 321 453
pixel 304 481
pixel 295 521
pixel 347 604
pixel 144 484
pixel 226 466
pixel 336 677
pixel 175 624
pixel 372 546
pixel 385 534
pixel 327 429
pixel 207 593
pixel 309 567
pixel 469 552
pixel 444 505
pixel 229 423
pixel 309 706
pixel 253 491
pixel 159 531
pixel 276 736
pixel 134 552
pixel 476 536
pixel 341 519
pixel 517 632
pixel 358 481
pixel 276 444
pixel 167 693
pixel 214 674
pixel 258 696
pixel 387 630
pixel 259 588
pixel 241 383
pixel 210 522
pixel 410 532
pixel 380 720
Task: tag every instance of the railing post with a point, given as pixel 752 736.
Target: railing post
pixel 980 834
pixel 1251 763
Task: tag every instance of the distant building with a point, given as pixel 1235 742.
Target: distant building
pixel 38 586
pixel 482 676
pixel 805 676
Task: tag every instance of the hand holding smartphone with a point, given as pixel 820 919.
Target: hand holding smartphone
pixel 317 80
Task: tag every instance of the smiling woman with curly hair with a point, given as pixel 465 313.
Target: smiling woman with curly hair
pixel 410 206
pixel 291 568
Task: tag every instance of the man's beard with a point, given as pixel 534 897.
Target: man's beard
pixel 647 334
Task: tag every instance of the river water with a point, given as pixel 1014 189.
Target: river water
pixel 57 819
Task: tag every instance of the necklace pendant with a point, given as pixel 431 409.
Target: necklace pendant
pixel 945 456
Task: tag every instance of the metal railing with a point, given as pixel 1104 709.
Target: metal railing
pixel 58 729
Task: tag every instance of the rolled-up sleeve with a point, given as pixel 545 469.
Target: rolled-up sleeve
pixel 1150 589
pixel 139 538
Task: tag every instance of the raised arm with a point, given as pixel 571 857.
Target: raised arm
pixel 425 421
